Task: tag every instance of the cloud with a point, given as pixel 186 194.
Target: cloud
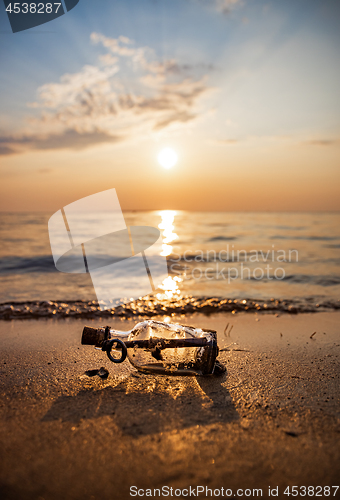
pixel 128 95
pixel 69 139
pixel 322 142
pixel 311 142
pixel 6 150
pixel 227 142
pixel 44 170
pixel 224 6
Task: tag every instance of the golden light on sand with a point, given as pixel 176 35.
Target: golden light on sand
pixel 167 158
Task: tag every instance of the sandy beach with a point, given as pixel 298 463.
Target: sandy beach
pixel 272 421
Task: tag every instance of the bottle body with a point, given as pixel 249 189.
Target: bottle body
pixel 173 349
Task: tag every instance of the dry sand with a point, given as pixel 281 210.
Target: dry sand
pixel 272 420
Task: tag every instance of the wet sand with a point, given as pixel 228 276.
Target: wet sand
pixel 273 420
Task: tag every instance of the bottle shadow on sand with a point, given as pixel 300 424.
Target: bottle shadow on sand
pixel 149 404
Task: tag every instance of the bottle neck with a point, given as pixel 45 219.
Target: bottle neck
pixel 118 334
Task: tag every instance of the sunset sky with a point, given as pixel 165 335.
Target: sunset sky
pixel 246 92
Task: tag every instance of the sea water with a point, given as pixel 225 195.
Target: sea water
pixel 216 261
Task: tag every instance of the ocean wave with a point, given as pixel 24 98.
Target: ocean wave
pixel 316 280
pixel 306 238
pixel 153 307
pixel 336 245
pixel 22 265
pixel 222 238
pixel 43 264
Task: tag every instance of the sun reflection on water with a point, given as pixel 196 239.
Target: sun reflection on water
pixel 170 287
pixel 170 284
pixel 168 217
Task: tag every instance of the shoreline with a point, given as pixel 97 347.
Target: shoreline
pixel 272 420
pixel 156 306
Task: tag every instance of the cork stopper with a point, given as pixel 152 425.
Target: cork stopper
pixel 93 336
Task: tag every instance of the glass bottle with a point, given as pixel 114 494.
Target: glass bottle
pixel 158 347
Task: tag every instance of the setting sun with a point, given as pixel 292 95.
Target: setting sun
pixel 167 158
